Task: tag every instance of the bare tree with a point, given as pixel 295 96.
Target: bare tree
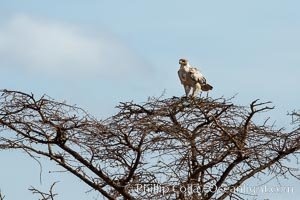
pixel 175 148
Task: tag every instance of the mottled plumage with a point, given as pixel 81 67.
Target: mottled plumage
pixel 191 77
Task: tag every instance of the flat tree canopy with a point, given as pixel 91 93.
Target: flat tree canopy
pixel 174 148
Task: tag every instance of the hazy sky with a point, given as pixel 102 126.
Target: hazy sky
pixel 98 53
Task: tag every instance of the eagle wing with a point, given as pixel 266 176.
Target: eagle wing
pixel 197 76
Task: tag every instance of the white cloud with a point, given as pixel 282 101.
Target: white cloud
pixel 58 49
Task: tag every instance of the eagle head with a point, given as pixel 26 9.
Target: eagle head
pixel 183 61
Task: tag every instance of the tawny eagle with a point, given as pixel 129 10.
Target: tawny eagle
pixel 191 77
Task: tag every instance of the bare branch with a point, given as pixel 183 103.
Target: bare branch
pixel 44 196
pixel 171 143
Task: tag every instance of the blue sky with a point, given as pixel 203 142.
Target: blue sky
pixel 98 53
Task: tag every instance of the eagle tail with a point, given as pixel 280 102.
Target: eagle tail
pixel 206 87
